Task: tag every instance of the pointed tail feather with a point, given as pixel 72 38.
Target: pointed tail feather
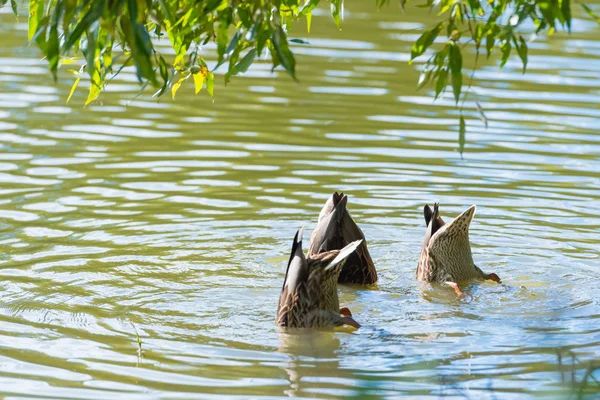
pixel 343 254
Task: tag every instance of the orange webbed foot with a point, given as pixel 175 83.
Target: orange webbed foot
pixel 454 286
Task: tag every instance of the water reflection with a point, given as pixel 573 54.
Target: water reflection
pixel 310 354
pixel 176 217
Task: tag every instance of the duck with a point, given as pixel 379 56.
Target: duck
pixel 309 297
pixel 335 229
pixel 446 253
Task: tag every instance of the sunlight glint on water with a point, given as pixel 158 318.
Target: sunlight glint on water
pixel 175 220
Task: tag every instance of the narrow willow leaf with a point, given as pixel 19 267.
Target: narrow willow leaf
pixel 222 38
pixel 177 85
pixel 138 40
pixel 505 48
pixel 337 11
pixel 489 45
pixel 309 6
pixel 522 50
pixel 13 5
pixel 143 54
pixel 52 51
pixel 95 87
pixel 245 62
pixel 199 80
pixel 284 55
pixel 565 8
pixel 163 68
pixel 455 65
pixel 234 42
pixel 441 82
pixel 299 41
pixel 210 84
pixel 461 135
pixel 73 89
pixel 425 41
pixel 36 13
pixel 166 11
pixel 92 16
pixel 425 78
pixel 164 74
pixel 308 21
pixel 482 116
pixel 90 52
pixel 591 13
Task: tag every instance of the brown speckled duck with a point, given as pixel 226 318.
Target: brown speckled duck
pixel 309 297
pixel 446 254
pixel 335 229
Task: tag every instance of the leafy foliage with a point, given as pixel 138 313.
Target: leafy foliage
pixel 112 34
pixel 475 24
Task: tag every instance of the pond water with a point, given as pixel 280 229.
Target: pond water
pixel 175 220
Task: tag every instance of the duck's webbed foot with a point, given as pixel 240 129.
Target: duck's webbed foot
pixel 493 277
pixel 454 286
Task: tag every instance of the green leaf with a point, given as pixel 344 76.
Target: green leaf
pixel 166 11
pixel 234 42
pixel 521 47
pixel 482 116
pixel 441 82
pixel 455 65
pixel 245 62
pixel 73 89
pixel 52 51
pixel 142 54
pixel 505 48
pixel 425 41
pixel 299 41
pixel 13 5
pixel 164 74
pixel 489 45
pixel 284 55
pixel 36 13
pixel 424 78
pixel 90 52
pixel 591 13
pixel 92 16
pixel 565 8
pixel 308 21
pixel 461 135
pixel 163 68
pixel 138 40
pixel 337 10
pixel 222 38
pixel 210 84
pixel 308 7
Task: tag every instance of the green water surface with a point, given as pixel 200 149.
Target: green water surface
pixel 176 219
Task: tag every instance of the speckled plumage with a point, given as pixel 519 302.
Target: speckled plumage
pixel 309 297
pixel 446 253
pixel 335 229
